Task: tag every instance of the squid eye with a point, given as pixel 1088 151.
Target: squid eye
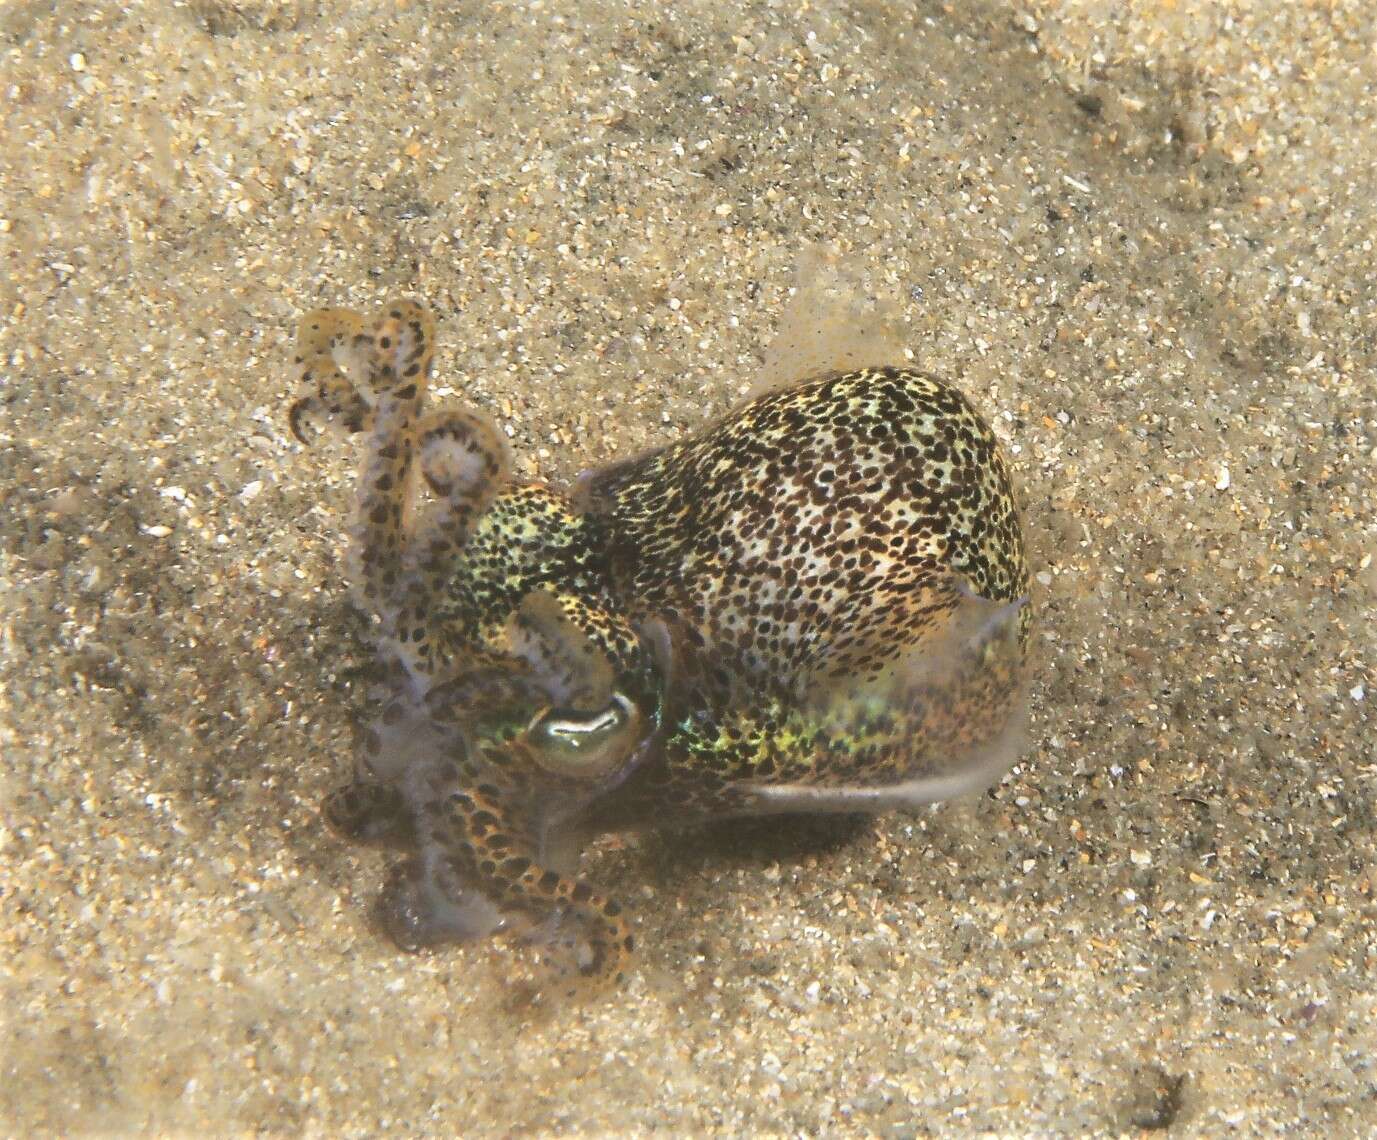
pixel 570 743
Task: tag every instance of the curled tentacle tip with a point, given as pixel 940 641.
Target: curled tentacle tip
pixel 294 417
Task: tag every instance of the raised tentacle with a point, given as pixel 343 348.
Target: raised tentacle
pixel 465 462
pixel 325 338
pixel 396 369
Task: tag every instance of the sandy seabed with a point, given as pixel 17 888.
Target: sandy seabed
pixel 1139 236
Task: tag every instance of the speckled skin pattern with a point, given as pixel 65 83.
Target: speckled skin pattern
pixel 818 604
